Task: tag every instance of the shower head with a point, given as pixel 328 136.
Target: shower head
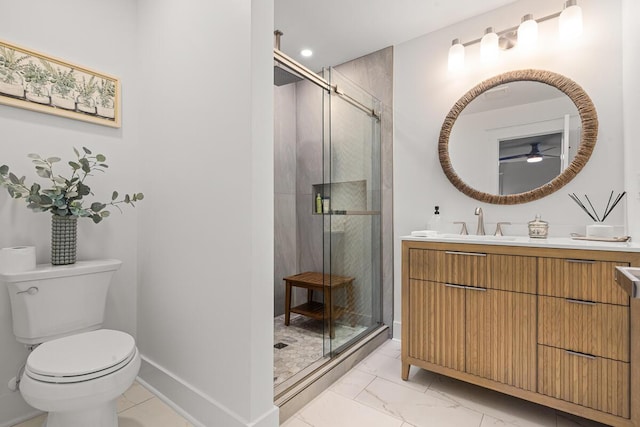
pixel 282 76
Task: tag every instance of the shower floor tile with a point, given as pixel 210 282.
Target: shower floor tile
pixel 304 344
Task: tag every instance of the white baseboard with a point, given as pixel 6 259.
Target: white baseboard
pixel 397 330
pixel 194 405
pixel 20 419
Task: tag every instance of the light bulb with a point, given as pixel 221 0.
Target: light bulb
pixel 570 21
pixel 489 49
pixel 534 159
pixel 306 53
pixel 456 56
pixel 528 33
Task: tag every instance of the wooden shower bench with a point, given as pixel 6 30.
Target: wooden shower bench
pixel 326 283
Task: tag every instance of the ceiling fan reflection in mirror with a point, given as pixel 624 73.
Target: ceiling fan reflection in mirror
pixel 533 156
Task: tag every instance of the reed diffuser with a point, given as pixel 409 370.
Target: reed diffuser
pixel 599 229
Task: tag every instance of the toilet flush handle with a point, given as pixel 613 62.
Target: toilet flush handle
pixel 31 291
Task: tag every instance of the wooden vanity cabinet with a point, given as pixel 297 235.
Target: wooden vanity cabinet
pixel 547 325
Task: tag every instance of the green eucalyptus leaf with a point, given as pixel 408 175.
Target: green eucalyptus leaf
pixel 74 165
pixel 105 214
pixel 14 179
pixel 45 200
pixel 100 158
pixel 86 150
pixel 97 206
pixel 139 196
pixel 71 194
pixel 127 199
pixel 96 218
pixel 75 150
pixel 83 190
pixel 53 159
pixel 104 165
pixel 44 173
pixel 35 188
pixel 114 196
pixel 4 169
pixel 33 156
pixel 86 168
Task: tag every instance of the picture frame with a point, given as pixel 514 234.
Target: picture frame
pixel 39 82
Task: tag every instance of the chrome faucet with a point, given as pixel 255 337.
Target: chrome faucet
pixel 480 231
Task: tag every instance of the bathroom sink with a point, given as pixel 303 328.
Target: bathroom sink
pixel 628 278
pixel 475 237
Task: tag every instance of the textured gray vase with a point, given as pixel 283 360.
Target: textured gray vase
pixel 63 239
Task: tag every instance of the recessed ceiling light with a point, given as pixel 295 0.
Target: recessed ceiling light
pixel 306 53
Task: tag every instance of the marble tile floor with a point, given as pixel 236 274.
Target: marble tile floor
pixel 372 394
pixel 304 340
pixel 137 407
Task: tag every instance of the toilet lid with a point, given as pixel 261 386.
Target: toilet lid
pixel 81 357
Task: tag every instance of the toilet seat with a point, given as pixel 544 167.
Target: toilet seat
pixel 82 357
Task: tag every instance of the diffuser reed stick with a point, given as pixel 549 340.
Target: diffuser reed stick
pixel 593 214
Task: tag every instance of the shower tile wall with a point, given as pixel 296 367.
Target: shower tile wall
pixel 309 172
pixel 374 73
pixel 285 249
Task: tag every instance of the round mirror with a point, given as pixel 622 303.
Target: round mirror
pixel 518 137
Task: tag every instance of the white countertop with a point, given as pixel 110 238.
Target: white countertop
pixel 551 242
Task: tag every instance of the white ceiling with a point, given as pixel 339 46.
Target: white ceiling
pixel 340 30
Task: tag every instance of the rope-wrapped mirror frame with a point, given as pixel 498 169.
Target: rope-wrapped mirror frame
pixel 589 135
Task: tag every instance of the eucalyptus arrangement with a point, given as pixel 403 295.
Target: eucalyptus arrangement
pixel 65 196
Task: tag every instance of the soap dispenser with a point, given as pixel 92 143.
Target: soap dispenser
pixel 435 221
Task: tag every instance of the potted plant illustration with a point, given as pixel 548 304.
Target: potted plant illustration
pixel 106 99
pixel 36 79
pixel 11 82
pixel 64 198
pixel 85 101
pixel 63 85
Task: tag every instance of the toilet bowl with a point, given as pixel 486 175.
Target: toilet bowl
pixel 78 379
pixel 76 371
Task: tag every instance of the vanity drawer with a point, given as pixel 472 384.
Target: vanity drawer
pixel 459 268
pixel 587 280
pixel 594 382
pixel 586 327
pixel 512 273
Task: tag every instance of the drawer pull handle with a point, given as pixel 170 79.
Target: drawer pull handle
pixel 464 253
pixel 578 301
pixel 581 261
pixel 471 288
pixel 586 356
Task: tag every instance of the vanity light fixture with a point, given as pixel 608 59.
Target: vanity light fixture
pixel 528 32
pixel 525 35
pixel 570 21
pixel 456 56
pixel 489 48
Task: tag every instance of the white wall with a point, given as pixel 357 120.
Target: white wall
pixel 425 91
pixel 631 105
pixel 99 35
pixel 205 311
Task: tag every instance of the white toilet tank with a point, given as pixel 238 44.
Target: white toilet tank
pixel 54 301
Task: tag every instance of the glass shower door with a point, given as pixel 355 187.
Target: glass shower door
pixel 352 222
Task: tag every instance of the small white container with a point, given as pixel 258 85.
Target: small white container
pixel 600 230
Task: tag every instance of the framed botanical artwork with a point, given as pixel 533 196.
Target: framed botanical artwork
pixel 39 82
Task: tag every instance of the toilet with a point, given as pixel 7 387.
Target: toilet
pixel 76 371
